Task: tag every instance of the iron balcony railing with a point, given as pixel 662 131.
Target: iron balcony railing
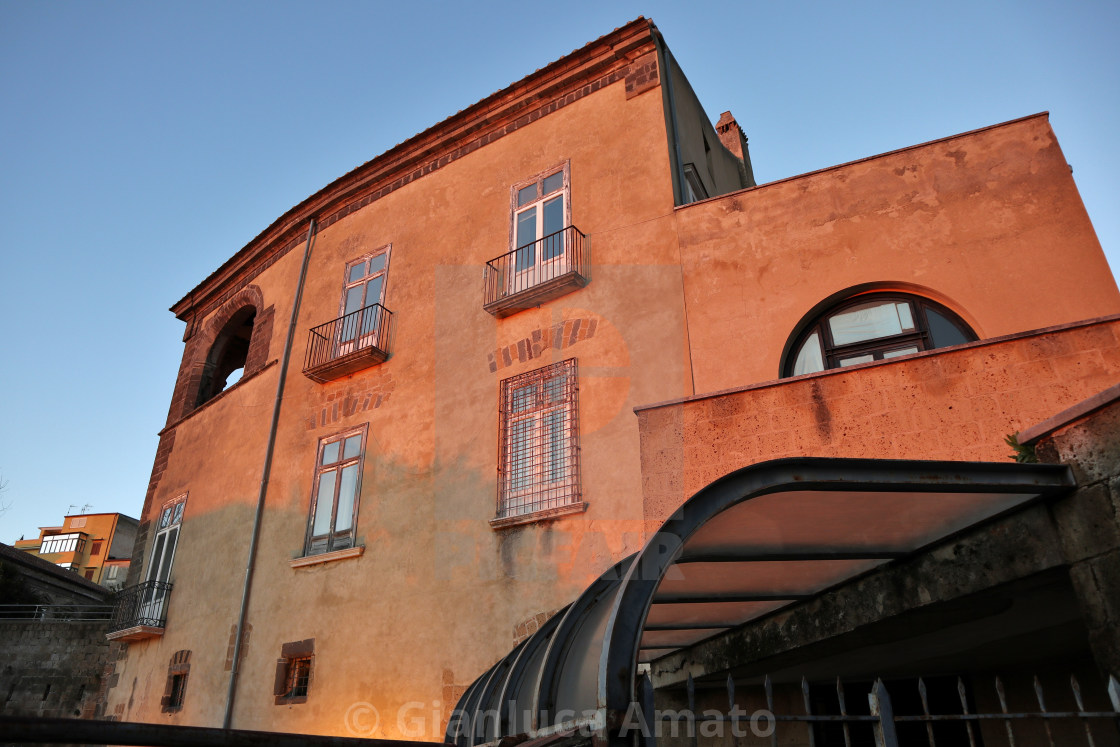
pixel 359 330
pixel 563 254
pixel 142 605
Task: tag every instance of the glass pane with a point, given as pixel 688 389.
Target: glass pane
pixel 523 398
pixel 526 235
pixel 809 358
pixel 157 555
pixel 357 272
pixel 553 223
pixel 866 322
pixel 324 502
pixel 178 515
pixel 330 452
pixel 943 331
pixel 168 555
pixel 857 359
pixel 526 195
pixel 377 264
pixel 553 389
pixel 353 447
pixel 347 492
pixel 354 298
pixel 373 290
pixel 521 454
pixel 900 351
pixel 552 183
pixel 905 317
pixel 165 518
pixel 554 438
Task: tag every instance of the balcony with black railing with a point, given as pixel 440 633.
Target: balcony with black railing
pixel 532 274
pixel 140 611
pixel 348 344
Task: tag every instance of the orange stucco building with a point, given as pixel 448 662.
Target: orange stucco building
pixel 481 368
pixel 97 546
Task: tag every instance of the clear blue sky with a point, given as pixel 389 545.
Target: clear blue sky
pixel 143 143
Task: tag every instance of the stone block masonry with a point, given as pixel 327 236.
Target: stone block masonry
pixel 53 669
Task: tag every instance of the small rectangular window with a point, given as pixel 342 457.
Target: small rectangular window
pixel 293 672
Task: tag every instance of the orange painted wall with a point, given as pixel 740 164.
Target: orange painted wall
pixel 989 223
pixel 956 403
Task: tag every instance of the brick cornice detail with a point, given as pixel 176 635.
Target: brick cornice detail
pixel 601 63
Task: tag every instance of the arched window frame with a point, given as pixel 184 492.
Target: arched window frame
pixel 879 348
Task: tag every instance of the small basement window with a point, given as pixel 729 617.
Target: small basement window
pixel 293 672
pixel 226 361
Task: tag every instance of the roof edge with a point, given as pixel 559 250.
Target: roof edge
pixel 467 125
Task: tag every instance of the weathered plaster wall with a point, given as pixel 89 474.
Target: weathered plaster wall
pixel 988 223
pixel 955 403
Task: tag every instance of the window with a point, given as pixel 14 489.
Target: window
pixel 293 672
pixel 540 214
pixel 89 573
pixel 176 688
pixel 693 187
pixel 163 555
pixel 363 291
pixel 539 441
pixel 334 502
pixel 95 548
pixel 872 327
pixel 73 542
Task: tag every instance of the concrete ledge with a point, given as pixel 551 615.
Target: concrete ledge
pixel 327 557
pixel 135 633
pixel 1030 436
pixel 549 513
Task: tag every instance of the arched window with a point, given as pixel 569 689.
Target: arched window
pixel 227 356
pixel 874 327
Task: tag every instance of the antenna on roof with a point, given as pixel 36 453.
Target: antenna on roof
pixel 71 509
pixel 86 507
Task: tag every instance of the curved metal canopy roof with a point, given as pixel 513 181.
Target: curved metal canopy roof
pixel 753 542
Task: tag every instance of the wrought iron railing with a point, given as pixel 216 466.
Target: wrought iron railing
pixel 57 612
pixel 358 330
pixel 142 605
pixel 554 256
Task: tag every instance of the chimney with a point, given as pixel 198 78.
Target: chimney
pixel 731 135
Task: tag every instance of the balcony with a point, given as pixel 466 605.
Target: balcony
pixel 141 612
pixel 348 344
pixel 532 274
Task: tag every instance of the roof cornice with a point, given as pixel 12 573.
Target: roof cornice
pixel 583 71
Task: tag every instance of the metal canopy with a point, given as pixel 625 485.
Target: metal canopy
pixel 753 542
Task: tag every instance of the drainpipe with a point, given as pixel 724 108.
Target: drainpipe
pixel 267 469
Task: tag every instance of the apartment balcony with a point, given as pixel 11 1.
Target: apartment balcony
pixel 348 344
pixel 140 612
pixel 541 271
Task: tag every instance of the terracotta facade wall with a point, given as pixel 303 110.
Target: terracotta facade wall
pixel 958 403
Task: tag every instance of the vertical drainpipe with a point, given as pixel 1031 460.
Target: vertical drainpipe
pixel 265 471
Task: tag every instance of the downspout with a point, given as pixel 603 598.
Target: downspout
pixel 264 480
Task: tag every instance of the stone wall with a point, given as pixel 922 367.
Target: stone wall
pixel 52 669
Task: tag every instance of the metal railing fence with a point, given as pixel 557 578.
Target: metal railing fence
pixel 57 612
pixel 365 328
pixel 143 604
pixel 534 264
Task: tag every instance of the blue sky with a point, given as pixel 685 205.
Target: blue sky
pixel 144 143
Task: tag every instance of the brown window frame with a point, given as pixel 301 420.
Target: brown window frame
pixel 294 672
pixel 539 454
pixel 878 347
pixel 317 544
pixel 175 691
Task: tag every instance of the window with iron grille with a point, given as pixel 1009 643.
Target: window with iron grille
pixel 334 501
pixel 175 691
pixel 293 672
pixel 539 440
